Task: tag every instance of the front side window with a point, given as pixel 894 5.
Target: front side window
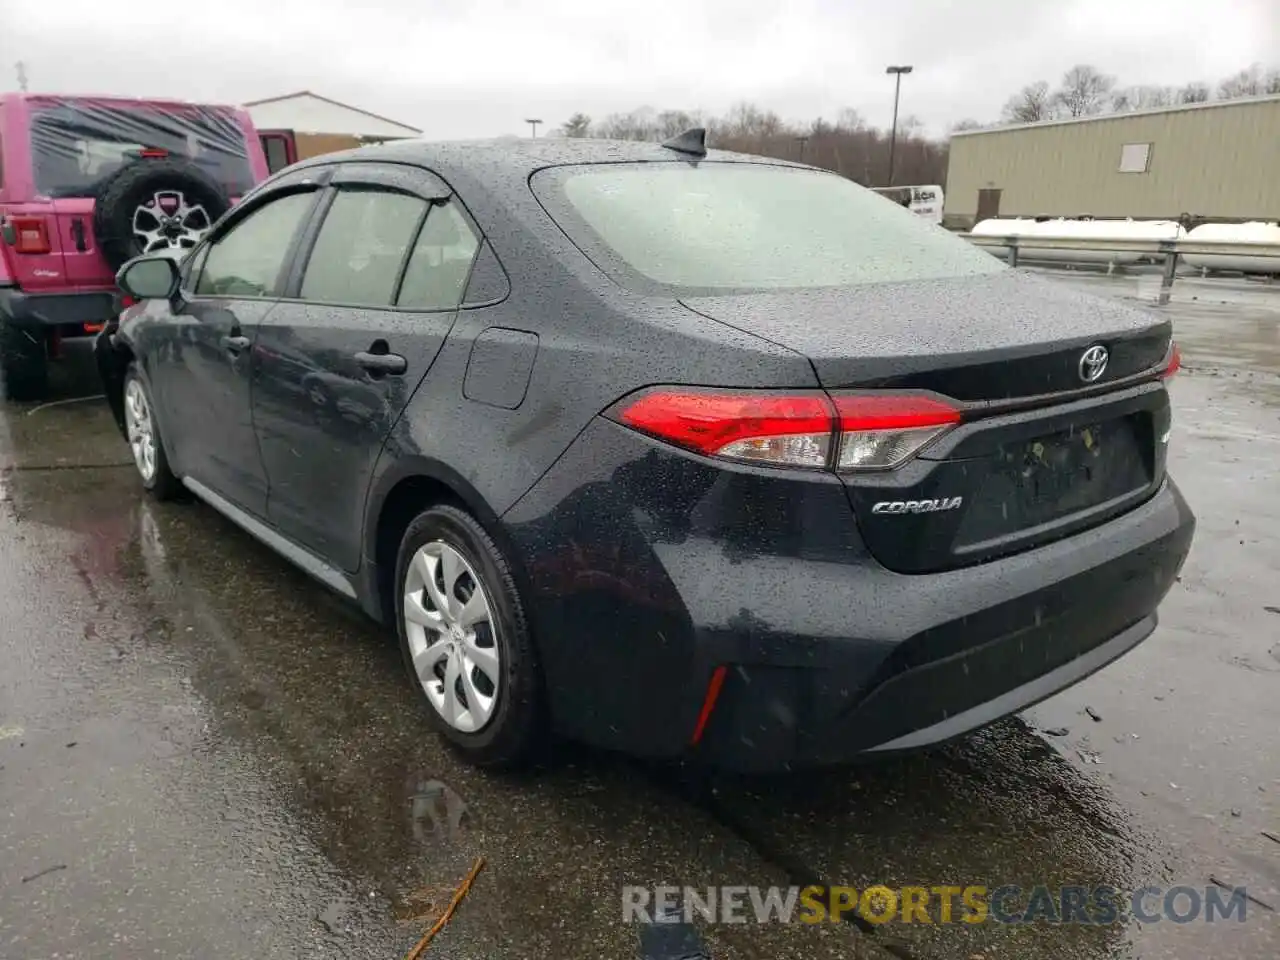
pixel 360 248
pixel 247 260
pixel 685 229
pixel 441 261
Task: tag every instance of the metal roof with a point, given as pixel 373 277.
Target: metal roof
pixel 307 112
pixel 1125 115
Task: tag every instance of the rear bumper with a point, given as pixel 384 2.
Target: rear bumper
pixel 57 309
pixel 649 569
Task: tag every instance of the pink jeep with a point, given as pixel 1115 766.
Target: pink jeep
pixel 87 183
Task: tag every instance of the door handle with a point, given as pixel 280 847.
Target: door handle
pixel 380 364
pixel 235 344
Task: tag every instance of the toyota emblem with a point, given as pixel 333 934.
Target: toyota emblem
pixel 1093 363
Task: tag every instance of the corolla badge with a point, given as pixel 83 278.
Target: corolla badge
pixel 918 506
pixel 1093 363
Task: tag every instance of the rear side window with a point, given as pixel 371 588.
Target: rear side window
pixel 736 227
pixel 441 261
pixel 361 246
pixel 76 145
pixel 247 260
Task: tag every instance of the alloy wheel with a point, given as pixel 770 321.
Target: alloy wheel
pixel 169 221
pixel 452 636
pixel 140 429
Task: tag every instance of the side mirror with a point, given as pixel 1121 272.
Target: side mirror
pixel 149 278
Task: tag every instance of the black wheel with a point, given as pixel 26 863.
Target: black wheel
pixel 465 641
pixel 143 433
pixel 154 205
pixel 24 362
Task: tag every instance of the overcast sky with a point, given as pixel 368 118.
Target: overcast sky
pixel 463 68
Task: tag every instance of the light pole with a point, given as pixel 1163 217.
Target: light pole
pixel 893 134
pixel 533 126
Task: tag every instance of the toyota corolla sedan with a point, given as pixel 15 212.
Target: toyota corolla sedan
pixel 678 452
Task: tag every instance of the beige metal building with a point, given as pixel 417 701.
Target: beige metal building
pixel 301 125
pixel 1216 161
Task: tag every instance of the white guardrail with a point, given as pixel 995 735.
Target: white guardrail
pixel 1169 252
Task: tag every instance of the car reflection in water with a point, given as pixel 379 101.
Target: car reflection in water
pixel 342 396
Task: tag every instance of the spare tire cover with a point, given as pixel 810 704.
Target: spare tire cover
pixel 154 205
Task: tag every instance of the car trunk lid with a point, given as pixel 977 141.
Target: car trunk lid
pixel 989 337
pixel 1041 452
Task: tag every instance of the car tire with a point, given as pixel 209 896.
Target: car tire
pixel 140 184
pixel 513 729
pixel 24 362
pixel 145 442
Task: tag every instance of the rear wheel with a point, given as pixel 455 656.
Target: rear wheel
pixel 465 641
pixel 24 362
pixel 144 438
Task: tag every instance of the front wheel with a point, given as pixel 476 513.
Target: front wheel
pixel 143 434
pixel 465 641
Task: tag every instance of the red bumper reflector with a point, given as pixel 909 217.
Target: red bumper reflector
pixel 709 703
pixel 93 327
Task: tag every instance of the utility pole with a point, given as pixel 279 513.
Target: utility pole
pixel 893 135
pixel 22 76
pixel 533 126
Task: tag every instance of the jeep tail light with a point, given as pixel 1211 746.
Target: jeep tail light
pixel 30 234
pixel 794 429
pixel 1174 363
pixel 882 431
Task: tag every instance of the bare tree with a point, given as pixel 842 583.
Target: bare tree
pixel 960 126
pixel 578 125
pixel 1143 98
pixel 672 123
pixel 849 120
pixel 1085 92
pixel 848 145
pixel 1247 83
pixel 639 124
pixel 1031 104
pixel 1271 83
pixel 1194 93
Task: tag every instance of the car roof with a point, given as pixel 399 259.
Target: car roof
pixel 71 99
pixel 511 158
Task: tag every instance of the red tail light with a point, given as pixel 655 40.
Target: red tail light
pixel 802 429
pixel 30 235
pixel 153 153
pixel 1175 362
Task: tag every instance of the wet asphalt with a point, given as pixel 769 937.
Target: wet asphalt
pixel 204 754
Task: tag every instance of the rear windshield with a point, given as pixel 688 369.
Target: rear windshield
pixel 717 227
pixel 76 146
